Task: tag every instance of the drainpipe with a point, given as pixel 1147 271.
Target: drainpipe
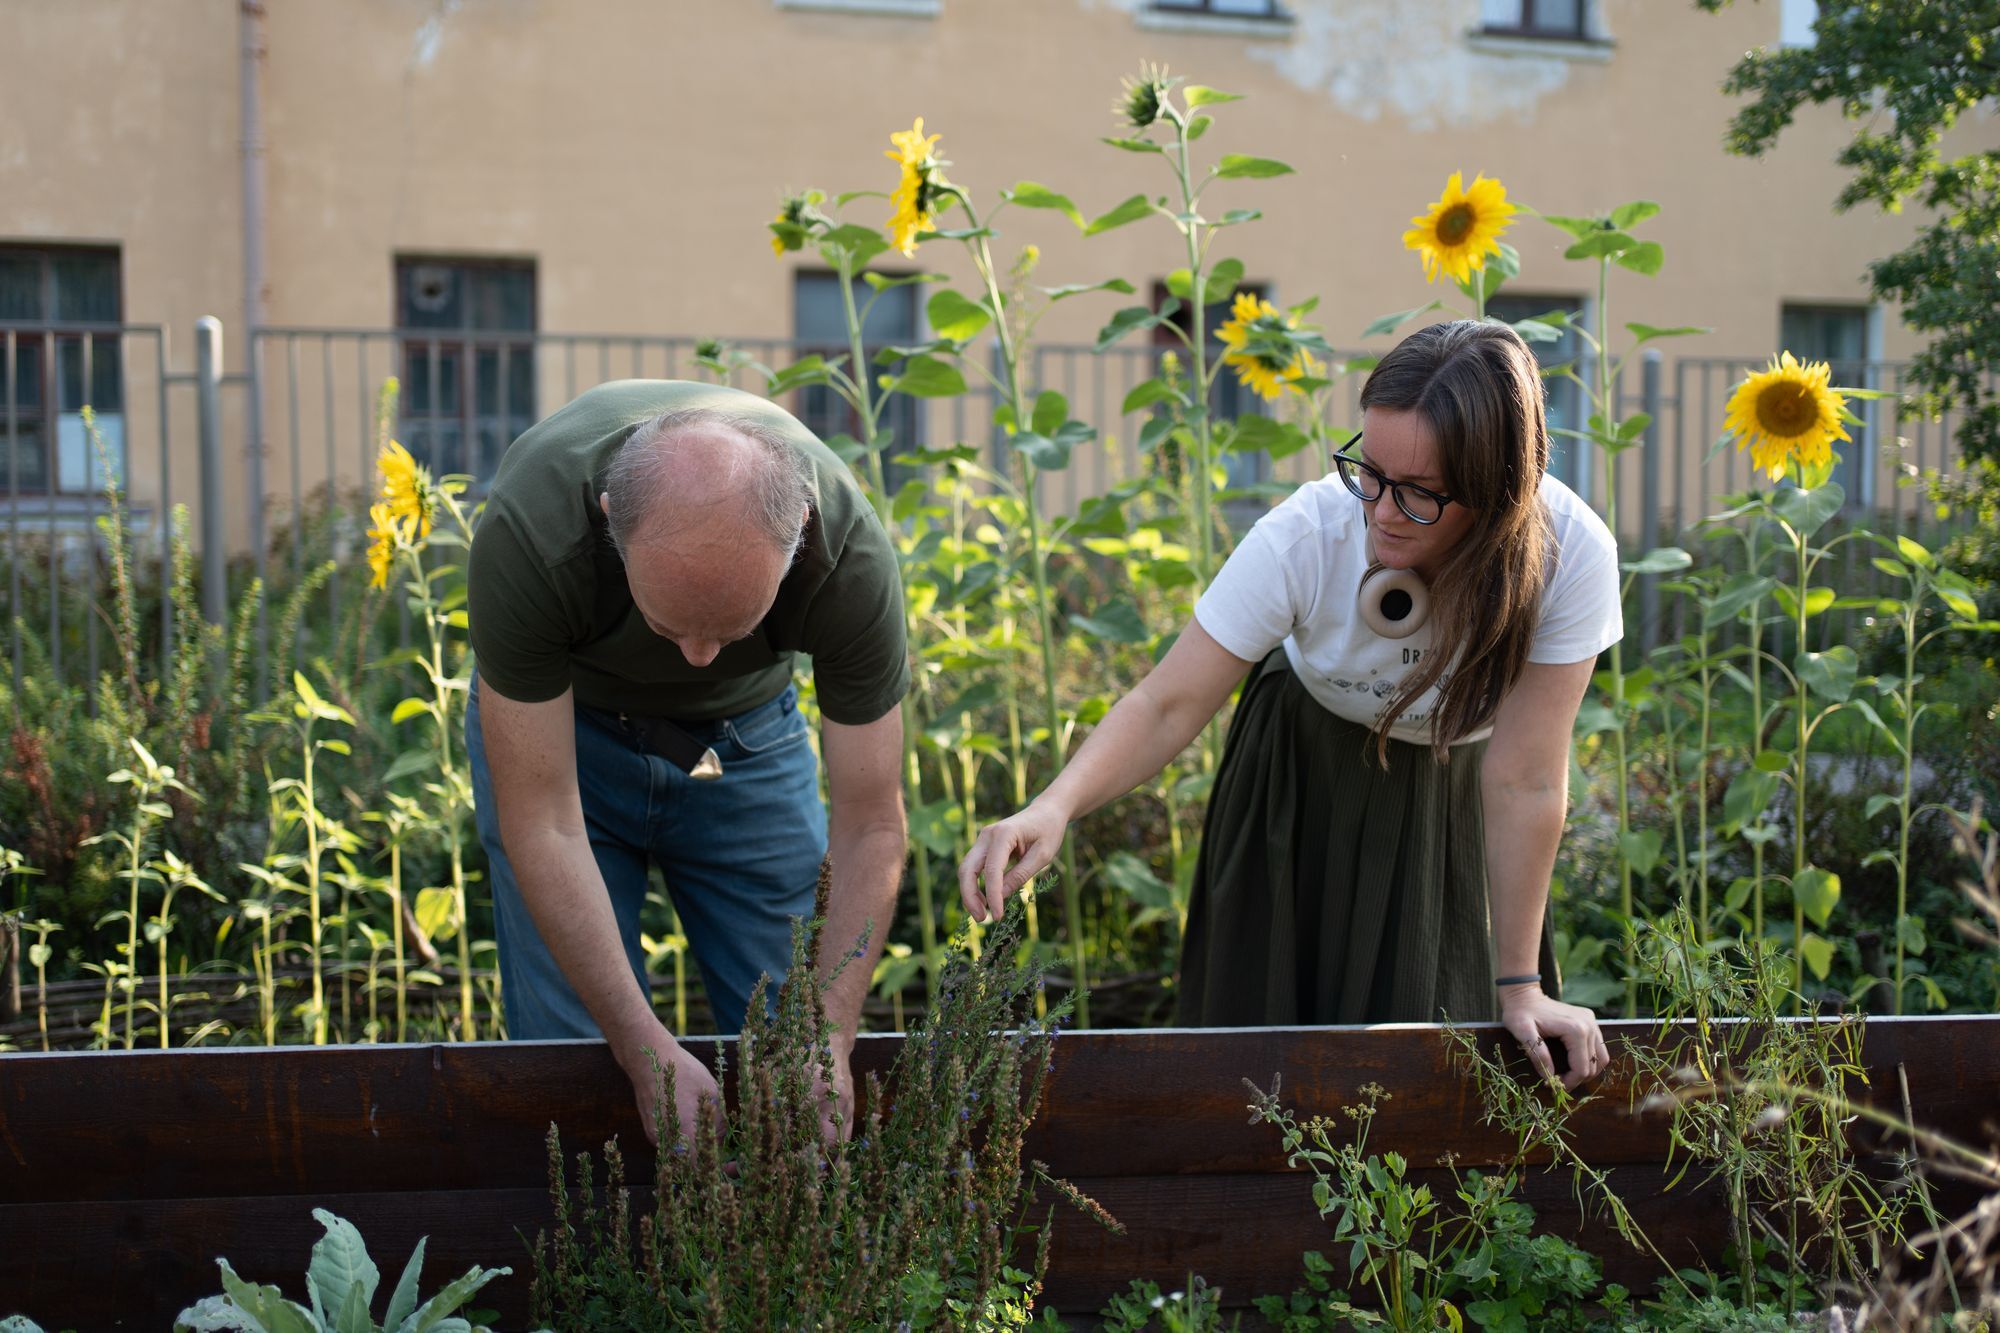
pixel 250 30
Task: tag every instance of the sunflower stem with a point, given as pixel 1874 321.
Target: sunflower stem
pixel 868 407
pixel 1010 359
pixel 1620 709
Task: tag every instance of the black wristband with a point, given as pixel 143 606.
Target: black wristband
pixel 1525 979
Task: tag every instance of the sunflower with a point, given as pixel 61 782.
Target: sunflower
pixel 383 539
pixel 916 195
pixel 1264 348
pixel 797 216
pixel 1144 99
pixel 406 485
pixel 1786 412
pixel 1461 228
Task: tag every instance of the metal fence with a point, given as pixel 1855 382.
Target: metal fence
pixel 255 454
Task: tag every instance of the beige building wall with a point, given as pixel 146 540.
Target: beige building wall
pixel 634 149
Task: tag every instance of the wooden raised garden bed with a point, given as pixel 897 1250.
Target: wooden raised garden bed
pixel 124 1176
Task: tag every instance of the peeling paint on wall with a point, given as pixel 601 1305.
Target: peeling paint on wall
pixel 1377 57
pixel 430 36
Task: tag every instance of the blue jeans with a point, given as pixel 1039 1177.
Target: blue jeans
pixel 740 856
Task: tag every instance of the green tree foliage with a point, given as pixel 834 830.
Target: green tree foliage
pixel 1904 71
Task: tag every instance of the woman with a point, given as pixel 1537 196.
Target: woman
pixel 1382 829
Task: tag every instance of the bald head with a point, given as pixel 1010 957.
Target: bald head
pixel 680 473
pixel 708 510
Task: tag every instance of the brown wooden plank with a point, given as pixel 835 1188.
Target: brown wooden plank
pixel 190 1124
pixel 135 1264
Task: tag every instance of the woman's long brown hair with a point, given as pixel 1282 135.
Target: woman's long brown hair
pixel 1477 388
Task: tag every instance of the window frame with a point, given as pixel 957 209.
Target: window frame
pixel 465 342
pixel 905 420
pixel 101 341
pixel 1526 29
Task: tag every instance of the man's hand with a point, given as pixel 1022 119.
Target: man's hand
pixel 693 1082
pixel 836 1115
pixel 1533 1018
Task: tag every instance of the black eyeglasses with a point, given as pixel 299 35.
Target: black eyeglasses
pixel 1419 504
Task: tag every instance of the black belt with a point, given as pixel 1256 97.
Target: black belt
pixel 675 745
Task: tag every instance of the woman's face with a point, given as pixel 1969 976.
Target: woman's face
pixel 1398 444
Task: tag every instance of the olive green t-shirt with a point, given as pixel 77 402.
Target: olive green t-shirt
pixel 549 608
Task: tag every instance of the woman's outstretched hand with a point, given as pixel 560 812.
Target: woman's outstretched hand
pixel 1535 1020
pixel 1007 855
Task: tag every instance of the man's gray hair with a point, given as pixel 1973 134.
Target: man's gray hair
pixel 774 479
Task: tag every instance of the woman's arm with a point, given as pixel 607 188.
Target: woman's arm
pixel 1136 739
pixel 1524 785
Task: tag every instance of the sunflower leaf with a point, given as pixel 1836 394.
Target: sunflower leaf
pixel 1198 94
pixel 882 282
pixel 1389 323
pixel 1647 257
pixel 1630 215
pixel 1817 892
pixel 1149 392
pixel 1131 210
pixel 1198 127
pixel 1079 288
pixel 1236 215
pixel 1029 194
pixel 1578 228
pixel 926 377
pixel 1237 166
pixel 1134 317
pixel 1808 508
pixel 864 243
pixel 1222 281
pixel 1645 333
pixel 1599 244
pixel 953 316
pixel 1136 145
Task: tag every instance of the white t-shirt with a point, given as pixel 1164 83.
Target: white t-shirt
pixel 1296 580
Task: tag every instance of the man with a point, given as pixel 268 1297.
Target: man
pixel 650 559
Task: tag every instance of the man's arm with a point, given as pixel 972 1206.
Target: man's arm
pixel 867 841
pixel 531 756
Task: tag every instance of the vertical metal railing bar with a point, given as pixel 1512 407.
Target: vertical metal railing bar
pixel 50 411
pixel 14 562
pixel 333 505
pixel 292 427
pixel 167 587
pixel 91 433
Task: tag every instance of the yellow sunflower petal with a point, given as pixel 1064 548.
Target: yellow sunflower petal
pixel 1457 233
pixel 1786 413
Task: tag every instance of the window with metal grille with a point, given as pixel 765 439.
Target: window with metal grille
pixel 1536 18
pixel 1565 396
pixel 468 353
pixel 819 324
pixel 59 307
pixel 1837 335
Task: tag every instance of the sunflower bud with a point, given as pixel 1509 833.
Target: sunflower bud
pixel 1145 97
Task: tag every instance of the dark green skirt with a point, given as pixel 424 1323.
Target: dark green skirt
pixel 1331 890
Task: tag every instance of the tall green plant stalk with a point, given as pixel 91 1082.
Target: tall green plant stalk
pixel 175 874
pixel 1925 579
pixel 867 405
pixel 150 781
pixel 1023 416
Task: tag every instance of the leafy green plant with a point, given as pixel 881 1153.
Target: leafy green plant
pixel 340 1284
pixel 1428 1264
pixel 760 1224
pixel 1195 1309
